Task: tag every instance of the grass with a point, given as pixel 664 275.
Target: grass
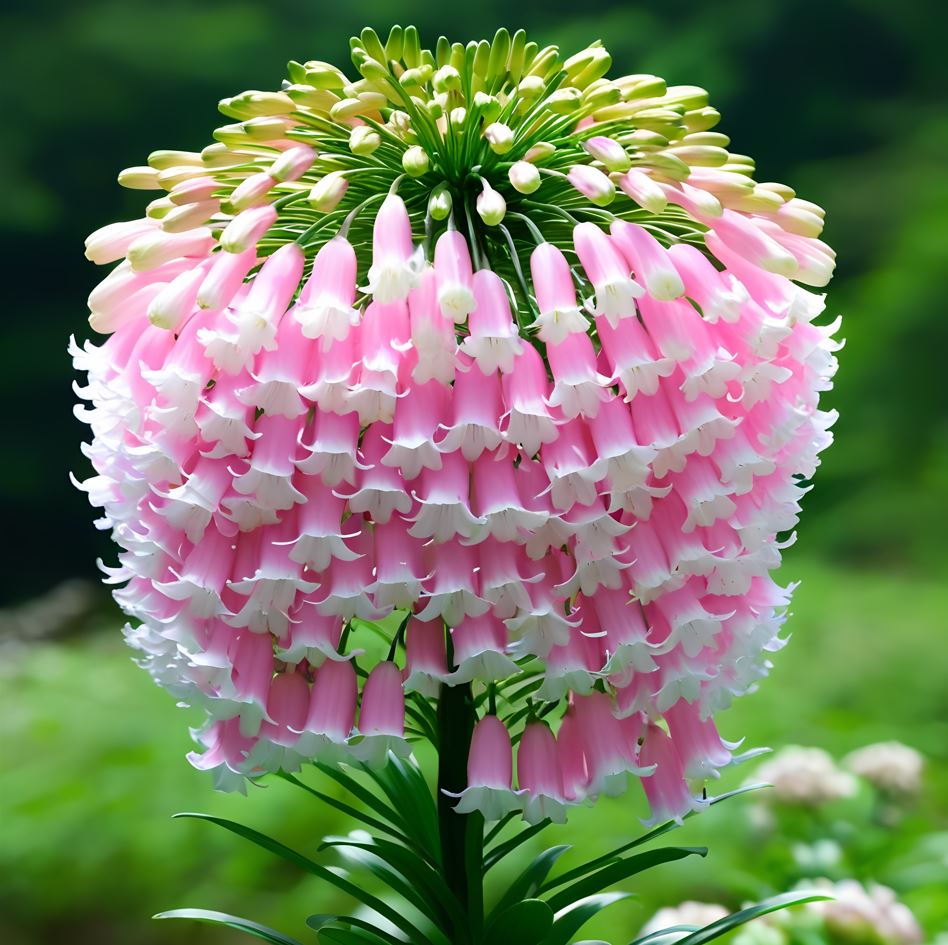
pixel 93 767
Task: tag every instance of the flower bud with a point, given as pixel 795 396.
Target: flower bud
pixel 246 229
pixel 292 164
pixel 418 76
pixel 440 202
pixel 592 184
pixel 254 104
pixel 188 216
pixel 531 87
pixel 564 101
pixel 111 242
pixel 447 79
pixel 487 105
pixel 643 190
pixel 499 137
pixel 252 191
pixel 164 158
pixel 491 206
pixel 458 117
pixel 524 177
pixel 608 152
pixel 328 191
pixel 540 151
pixel 266 129
pixel 363 140
pixel 139 178
pixel 322 75
pixel 415 161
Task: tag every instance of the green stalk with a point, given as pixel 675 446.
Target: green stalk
pixel 461 834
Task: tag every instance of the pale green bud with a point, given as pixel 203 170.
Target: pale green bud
pixel 415 161
pixel 363 140
pixel 328 192
pixel 531 87
pixel 491 207
pixel 417 76
pixel 323 75
pixel 254 104
pixel 540 151
pixel 440 202
pixel 499 137
pixel 447 79
pixel 266 129
pixel 524 177
pixel 487 106
pixel 564 101
pixel 139 178
pixel 700 155
pixel 162 159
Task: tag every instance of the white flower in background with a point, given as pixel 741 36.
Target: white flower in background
pixel 804 776
pixel 890 766
pixel 689 912
pixel 860 913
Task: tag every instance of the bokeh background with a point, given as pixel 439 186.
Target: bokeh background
pixel 843 99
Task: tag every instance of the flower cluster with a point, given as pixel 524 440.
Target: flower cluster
pixel 484 352
pixel 853 913
pixel 805 777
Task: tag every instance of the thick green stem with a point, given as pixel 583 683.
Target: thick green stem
pixel 461 834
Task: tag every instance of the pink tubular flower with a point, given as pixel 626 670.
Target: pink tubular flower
pixel 539 776
pixel 395 263
pixel 382 716
pixel 547 451
pixel 489 773
pixel 494 341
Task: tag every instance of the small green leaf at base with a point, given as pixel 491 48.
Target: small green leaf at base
pixel 526 923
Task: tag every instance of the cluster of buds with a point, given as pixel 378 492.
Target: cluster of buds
pixel 483 353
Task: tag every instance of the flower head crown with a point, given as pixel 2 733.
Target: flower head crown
pixel 487 355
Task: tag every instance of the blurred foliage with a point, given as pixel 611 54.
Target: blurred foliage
pixel 839 98
pixel 94 767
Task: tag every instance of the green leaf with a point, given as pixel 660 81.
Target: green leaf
pixel 497 853
pixel 340 882
pixel 658 831
pixel 344 808
pixel 527 922
pixel 341 935
pixel 673 932
pixel 405 786
pixel 372 801
pixel 568 921
pixel 621 869
pixel 526 885
pixel 233 921
pixel 320 922
pixel 735 919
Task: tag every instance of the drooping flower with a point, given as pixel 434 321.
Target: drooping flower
pixel 534 394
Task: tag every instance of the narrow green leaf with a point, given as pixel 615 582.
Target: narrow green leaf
pixel 340 882
pixel 527 922
pixel 341 935
pixel 735 919
pixel 372 801
pixel 526 885
pixel 569 920
pixel 653 834
pixel 233 921
pixel 495 855
pixel 319 922
pixel 673 932
pixel 618 871
pixel 344 808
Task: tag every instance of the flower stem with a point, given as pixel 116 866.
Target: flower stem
pixel 461 834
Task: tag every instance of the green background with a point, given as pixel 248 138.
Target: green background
pixel 845 101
